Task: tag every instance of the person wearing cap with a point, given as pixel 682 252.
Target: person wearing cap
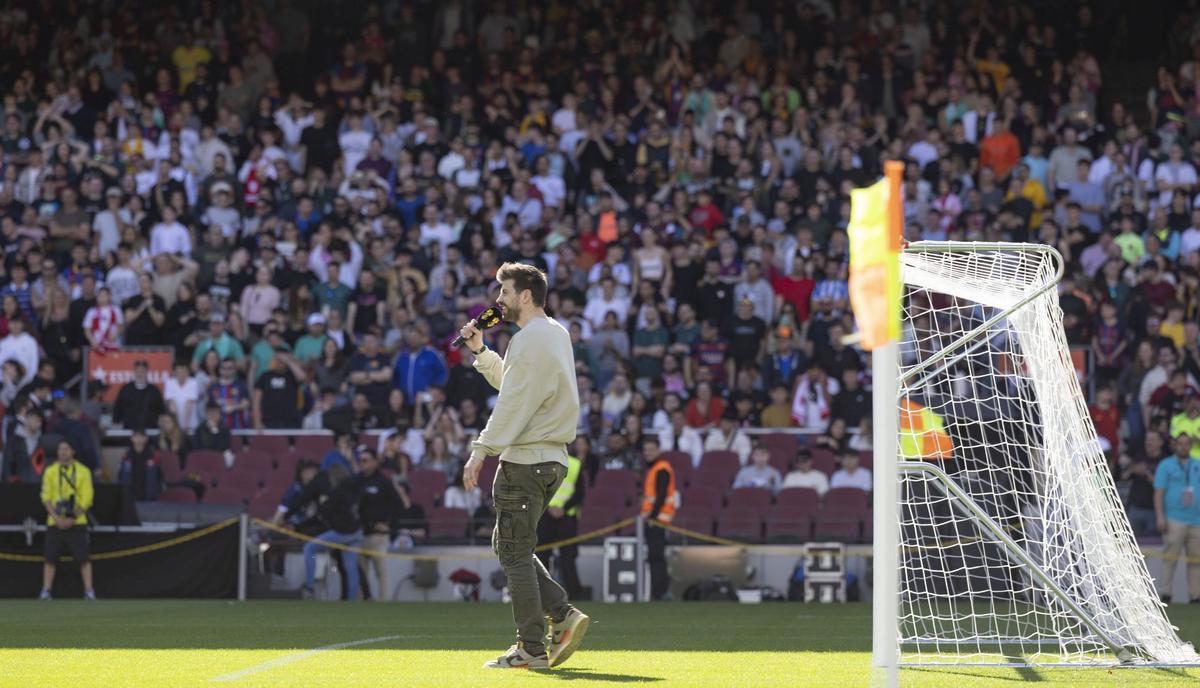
pixel 308 347
pixel 727 436
pixel 221 212
pixel 67 495
pixel 220 341
pixel 139 402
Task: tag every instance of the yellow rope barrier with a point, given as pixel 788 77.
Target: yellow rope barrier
pixel 133 551
pixel 401 555
pixel 698 535
pixel 586 536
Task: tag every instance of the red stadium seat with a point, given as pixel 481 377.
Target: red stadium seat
pixel 785 443
pixel 448 524
pixel 487 475
pixel 697 518
pixel 169 461
pixel 232 494
pixel 313 447
pixel 842 523
pixel 789 526
pixel 726 461
pixel 823 460
pixel 756 499
pixel 255 462
pixel 609 497
pixel 209 465
pixel 715 479
pixel 426 487
pixel 798 500
pixel 848 497
pixel 682 463
pixel 619 479
pixel 181 495
pixel 703 497
pixel 740 524
pixel 273 445
pixel 595 518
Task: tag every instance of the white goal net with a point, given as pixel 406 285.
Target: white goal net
pixel 1014 547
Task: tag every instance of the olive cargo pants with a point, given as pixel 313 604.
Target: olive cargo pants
pixel 521 492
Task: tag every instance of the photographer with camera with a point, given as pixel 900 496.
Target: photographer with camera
pixel 67 496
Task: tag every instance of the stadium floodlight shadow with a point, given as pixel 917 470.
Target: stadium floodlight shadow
pixel 584 674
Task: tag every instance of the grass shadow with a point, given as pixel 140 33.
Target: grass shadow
pixel 584 674
pixel 1025 674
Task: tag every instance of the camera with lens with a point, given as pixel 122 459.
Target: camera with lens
pixel 65 507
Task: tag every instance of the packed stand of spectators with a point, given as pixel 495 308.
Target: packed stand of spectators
pixel 306 205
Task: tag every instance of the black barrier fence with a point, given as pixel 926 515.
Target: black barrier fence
pixel 196 563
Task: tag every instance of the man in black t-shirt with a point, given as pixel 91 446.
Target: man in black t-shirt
pixel 747 335
pixel 276 394
pixel 145 315
pixel 371 372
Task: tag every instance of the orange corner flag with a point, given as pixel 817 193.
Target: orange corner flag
pixel 876 226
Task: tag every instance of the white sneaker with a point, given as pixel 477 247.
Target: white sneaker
pixel 518 658
pixel 45 596
pixel 566 636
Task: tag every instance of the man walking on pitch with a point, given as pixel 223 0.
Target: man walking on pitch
pixel 534 419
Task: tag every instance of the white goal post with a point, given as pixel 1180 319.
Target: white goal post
pixel 999 537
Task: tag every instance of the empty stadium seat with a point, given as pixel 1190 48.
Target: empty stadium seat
pixel 682 463
pixel 619 479
pixel 314 447
pixel 487 475
pixel 784 442
pixel 608 497
pixel 740 524
pixel 848 497
pixel 171 470
pixel 255 462
pixel 183 495
pixel 790 526
pixel 714 478
pixel 426 487
pixel 227 494
pixel 824 460
pixel 697 518
pixel 270 444
pixel 839 523
pixel 798 500
pixel 724 461
pixel 594 518
pixel 750 498
pixel 209 465
pixel 703 497
pixel 448 524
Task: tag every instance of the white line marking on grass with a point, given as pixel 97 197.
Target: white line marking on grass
pixel 289 659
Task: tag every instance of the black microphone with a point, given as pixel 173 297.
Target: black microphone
pixel 488 318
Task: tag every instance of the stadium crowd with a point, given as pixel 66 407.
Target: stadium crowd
pixel 305 204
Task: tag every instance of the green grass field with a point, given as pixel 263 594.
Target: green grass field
pixel 276 643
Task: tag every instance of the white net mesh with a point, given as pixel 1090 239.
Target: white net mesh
pixel 1026 454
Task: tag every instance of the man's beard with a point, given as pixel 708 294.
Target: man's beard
pixel 509 312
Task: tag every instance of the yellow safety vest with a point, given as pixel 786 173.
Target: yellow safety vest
pixel 567 488
pixel 922 433
pixel 1181 424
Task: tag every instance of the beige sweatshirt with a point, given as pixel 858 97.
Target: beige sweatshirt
pixel 537 412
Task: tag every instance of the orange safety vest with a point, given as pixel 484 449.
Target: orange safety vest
pixel 667 512
pixel 922 433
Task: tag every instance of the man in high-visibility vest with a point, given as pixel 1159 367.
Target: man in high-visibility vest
pixel 561 522
pixel 660 501
pixel 923 434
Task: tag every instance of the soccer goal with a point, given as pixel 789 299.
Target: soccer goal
pixel 999 535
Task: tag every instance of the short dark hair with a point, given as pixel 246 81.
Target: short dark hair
pixel 525 277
